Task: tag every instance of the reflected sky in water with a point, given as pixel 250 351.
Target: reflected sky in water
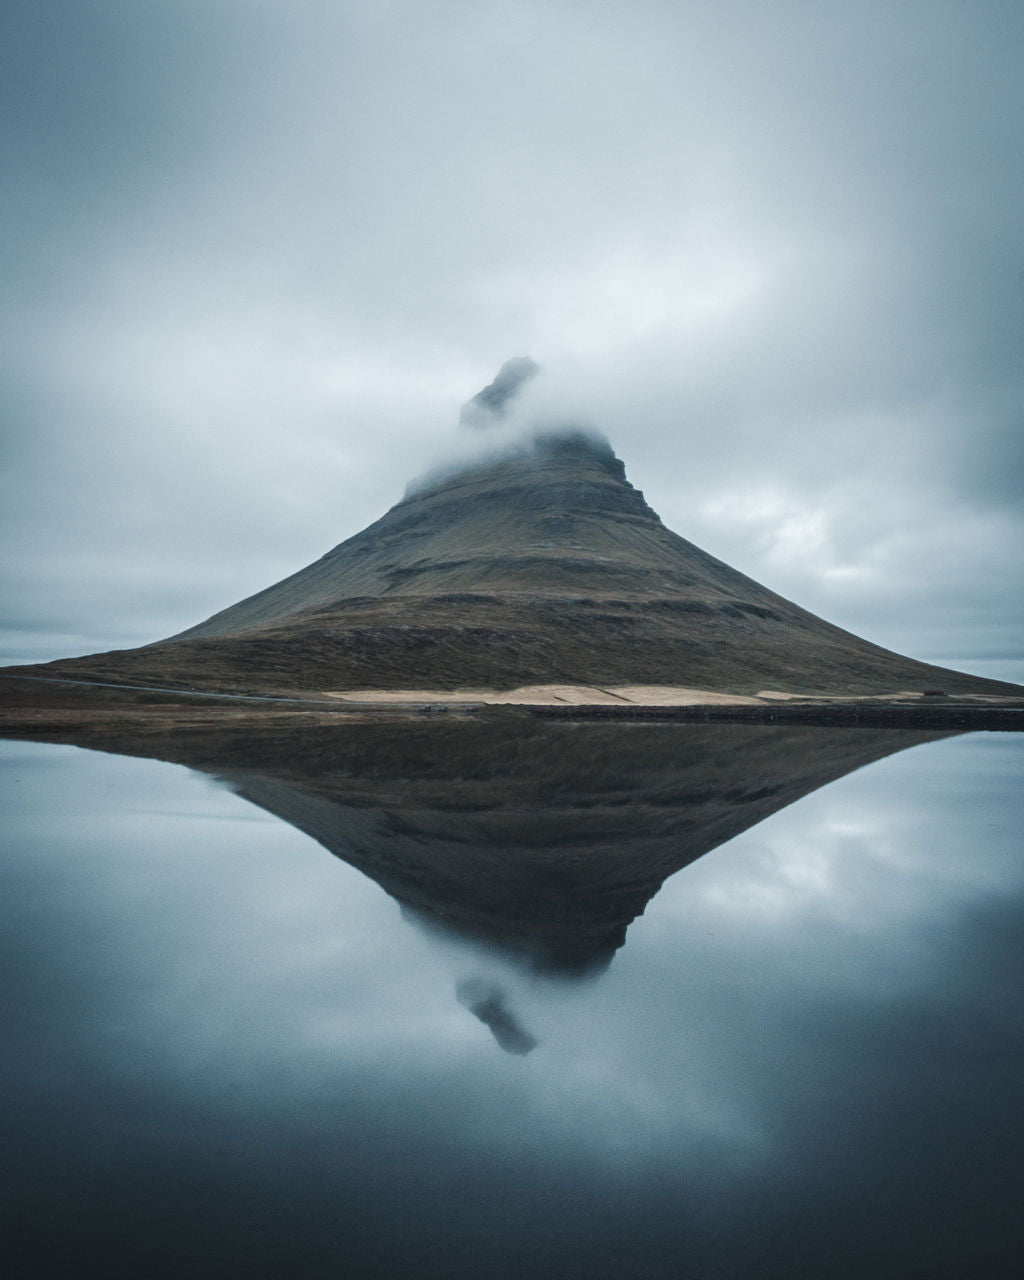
pixel 229 1053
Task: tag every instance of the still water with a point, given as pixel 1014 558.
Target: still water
pixel 230 1053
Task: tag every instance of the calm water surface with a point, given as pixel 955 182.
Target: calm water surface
pixel 228 1053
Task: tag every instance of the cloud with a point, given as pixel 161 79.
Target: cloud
pixel 260 257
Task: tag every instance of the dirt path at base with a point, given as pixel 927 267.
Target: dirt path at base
pixel 572 695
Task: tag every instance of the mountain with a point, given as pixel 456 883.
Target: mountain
pixel 542 565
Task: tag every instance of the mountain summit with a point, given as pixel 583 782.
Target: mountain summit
pixel 490 404
pixel 543 565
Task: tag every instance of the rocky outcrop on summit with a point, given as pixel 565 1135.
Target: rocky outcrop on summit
pixel 488 405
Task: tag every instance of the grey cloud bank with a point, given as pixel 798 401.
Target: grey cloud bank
pixel 257 258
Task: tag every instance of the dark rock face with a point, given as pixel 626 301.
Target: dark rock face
pixel 488 405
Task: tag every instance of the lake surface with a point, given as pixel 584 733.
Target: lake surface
pixel 230 1053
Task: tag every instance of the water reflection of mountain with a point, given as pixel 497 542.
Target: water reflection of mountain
pixel 545 839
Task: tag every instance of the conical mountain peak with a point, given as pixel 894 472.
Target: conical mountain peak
pixel 491 404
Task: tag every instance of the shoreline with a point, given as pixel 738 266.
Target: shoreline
pixel 38 706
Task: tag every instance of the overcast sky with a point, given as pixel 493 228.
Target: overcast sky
pixel 256 255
